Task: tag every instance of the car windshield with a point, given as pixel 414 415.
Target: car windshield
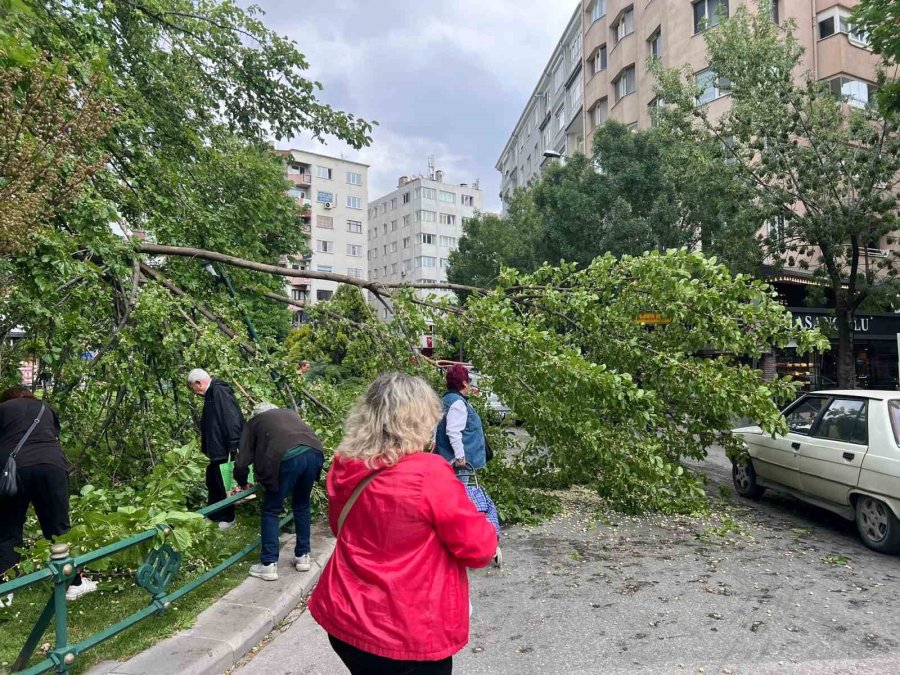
pixel 894 408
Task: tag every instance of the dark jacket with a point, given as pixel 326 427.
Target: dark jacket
pixel 42 447
pixel 221 423
pixel 265 440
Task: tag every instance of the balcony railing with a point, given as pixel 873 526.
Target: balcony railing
pixel 303 178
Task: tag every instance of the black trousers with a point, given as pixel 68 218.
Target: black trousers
pixel 45 486
pixel 364 663
pixel 215 487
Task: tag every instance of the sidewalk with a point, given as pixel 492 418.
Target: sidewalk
pixel 229 628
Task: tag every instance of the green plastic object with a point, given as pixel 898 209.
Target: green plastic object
pixel 227 470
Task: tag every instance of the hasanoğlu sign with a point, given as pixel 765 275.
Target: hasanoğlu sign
pixel 886 325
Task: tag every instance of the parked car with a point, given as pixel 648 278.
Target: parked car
pixel 493 401
pixel 842 453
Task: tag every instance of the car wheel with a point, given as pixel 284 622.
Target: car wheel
pixel 744 478
pixel 877 525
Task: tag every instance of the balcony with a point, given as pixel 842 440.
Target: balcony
pixel 300 178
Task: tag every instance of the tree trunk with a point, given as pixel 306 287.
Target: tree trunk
pixel 846 364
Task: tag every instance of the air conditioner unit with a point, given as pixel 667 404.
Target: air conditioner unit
pixel 329 205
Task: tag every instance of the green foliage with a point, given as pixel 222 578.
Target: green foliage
pixel 881 20
pixel 104 515
pixel 616 404
pixel 820 172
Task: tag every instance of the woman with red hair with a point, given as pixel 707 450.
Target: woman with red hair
pixel 460 434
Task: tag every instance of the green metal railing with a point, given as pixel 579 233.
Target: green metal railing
pixel 154 575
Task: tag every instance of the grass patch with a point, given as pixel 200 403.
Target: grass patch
pixel 117 597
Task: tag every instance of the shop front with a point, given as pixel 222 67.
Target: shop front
pixel 876 342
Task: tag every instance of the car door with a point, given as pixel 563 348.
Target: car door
pixel 832 456
pixel 777 459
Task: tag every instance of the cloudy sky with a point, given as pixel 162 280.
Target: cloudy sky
pixel 447 78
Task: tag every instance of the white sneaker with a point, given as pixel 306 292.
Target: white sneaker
pixel 266 572
pixel 498 558
pixel 225 525
pixel 302 564
pixel 86 586
pixel 7 601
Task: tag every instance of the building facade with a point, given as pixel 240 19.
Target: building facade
pixel 335 193
pixel 416 227
pixel 616 40
pixel 552 123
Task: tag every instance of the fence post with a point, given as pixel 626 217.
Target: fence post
pixel 63 566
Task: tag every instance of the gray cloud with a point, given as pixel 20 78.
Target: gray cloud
pixel 447 79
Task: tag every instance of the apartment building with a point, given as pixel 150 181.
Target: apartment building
pixel 416 227
pixel 622 36
pixel 617 40
pixel 336 220
pixel 552 123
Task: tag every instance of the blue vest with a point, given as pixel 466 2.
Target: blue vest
pixel 472 435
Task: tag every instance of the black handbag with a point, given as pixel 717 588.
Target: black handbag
pixel 9 478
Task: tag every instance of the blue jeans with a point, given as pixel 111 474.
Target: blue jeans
pixel 296 478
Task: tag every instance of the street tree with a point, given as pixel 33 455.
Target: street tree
pixel 822 170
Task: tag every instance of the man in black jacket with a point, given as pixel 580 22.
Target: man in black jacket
pixel 287 458
pixel 221 425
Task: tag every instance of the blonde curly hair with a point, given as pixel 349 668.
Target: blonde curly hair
pixel 394 418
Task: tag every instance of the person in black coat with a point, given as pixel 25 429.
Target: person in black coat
pixel 43 477
pixel 221 425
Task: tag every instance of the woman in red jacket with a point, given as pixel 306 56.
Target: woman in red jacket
pixel 394 597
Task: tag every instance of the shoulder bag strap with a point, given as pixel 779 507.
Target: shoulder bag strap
pixel 353 497
pixel 28 433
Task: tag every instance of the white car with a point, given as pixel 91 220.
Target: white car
pixel 842 453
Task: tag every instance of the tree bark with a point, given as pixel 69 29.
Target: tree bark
pixel 846 363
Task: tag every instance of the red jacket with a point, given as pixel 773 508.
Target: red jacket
pixel 396 583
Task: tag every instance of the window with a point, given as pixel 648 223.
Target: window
pixel 354 250
pixel 394 266
pixel 561 118
pixel 384 229
pixel 326 222
pixel 384 271
pixel 708 13
pixel 354 272
pixel 856 92
pixel 323 172
pixel 449 242
pixel 393 226
pixel 354 178
pixel 624 26
pixel 894 412
pixel 469 200
pixel 845 420
pixel 558 76
pixel 373 274
pixel 323 296
pixel 407 265
pixel 323 246
pixel 324 268
pixel 406 220
pixel 465 221
pixel 406 197
pixel 546 137
pixel 426 261
pixel 575 50
pixel 385 249
pixel 802 415
pixel 598 10
pixel 575 91
pixel 445 263
pixel 837 20
pixel 775 17
pixel 624 84
pixel 598 62
pixel 426 216
pixel 655 43
pixel 354 202
pixel 354 226
pixel 600 112
pixel 297 193
pixel 298 294
pixel 393 247
pixel 447 197
pixel 384 207
pixel 447 219
pixel 429 193
pixel 711 86
pixel 393 203
pixel 406 242
pixel 425 238
pixel 325 197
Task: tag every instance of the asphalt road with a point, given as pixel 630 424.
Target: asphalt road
pixel 767 587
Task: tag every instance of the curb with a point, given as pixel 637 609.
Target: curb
pixel 229 628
